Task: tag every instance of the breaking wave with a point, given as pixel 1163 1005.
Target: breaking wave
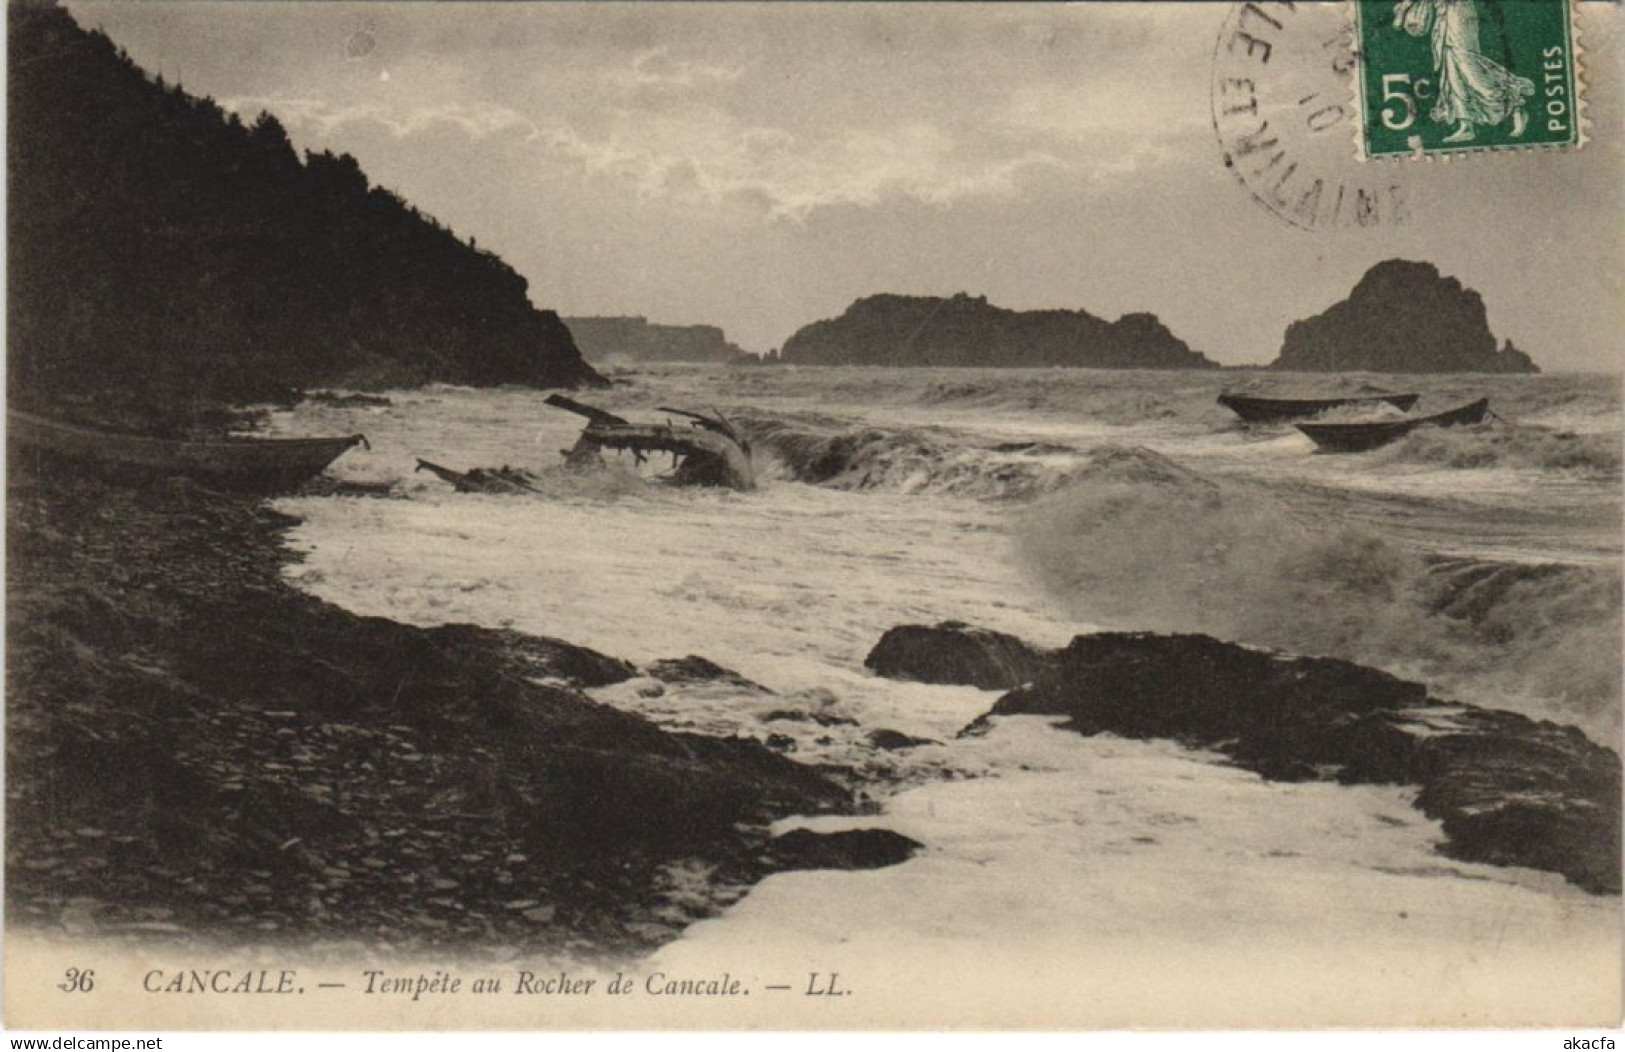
pixel 840 455
pixel 1595 455
pixel 1143 543
pixel 1359 413
pixel 1105 404
pixel 614 481
pixel 907 460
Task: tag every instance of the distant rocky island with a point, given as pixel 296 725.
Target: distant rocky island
pixel 1402 317
pixel 964 330
pixel 604 339
pixel 164 253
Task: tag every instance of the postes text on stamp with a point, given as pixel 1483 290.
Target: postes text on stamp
pixel 1450 76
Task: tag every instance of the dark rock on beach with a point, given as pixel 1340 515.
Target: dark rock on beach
pixel 1402 317
pixel 847 849
pixel 347 401
pixel 965 330
pixel 823 719
pixel 1509 790
pixel 543 657
pixel 696 669
pixel 1287 718
pixel 188 736
pixel 957 654
pixel 892 741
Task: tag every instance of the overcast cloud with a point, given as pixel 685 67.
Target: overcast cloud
pixel 760 167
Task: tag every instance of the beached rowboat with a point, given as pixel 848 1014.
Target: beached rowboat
pixel 1356 438
pixel 259 465
pixel 1274 410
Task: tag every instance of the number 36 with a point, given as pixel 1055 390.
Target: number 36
pixel 77 981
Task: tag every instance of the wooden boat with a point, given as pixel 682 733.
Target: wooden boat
pixel 1357 438
pixel 708 452
pixel 256 465
pixel 1275 410
pixel 501 480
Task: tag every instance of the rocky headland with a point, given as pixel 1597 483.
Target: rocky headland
pixel 633 339
pixel 1401 317
pixel 965 330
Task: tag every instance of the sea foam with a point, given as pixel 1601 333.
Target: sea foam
pixel 1140 542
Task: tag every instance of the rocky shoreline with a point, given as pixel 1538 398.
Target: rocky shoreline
pixel 1507 789
pixel 195 747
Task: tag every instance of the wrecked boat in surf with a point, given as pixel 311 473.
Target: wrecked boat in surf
pixel 479 480
pixel 706 450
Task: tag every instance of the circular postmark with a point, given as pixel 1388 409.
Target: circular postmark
pixel 1285 116
pixel 361 43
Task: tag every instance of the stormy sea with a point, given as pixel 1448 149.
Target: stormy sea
pixel 1482 562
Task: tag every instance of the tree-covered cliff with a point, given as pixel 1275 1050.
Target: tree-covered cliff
pixel 966 330
pixel 164 253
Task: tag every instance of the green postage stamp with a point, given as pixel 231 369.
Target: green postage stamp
pixel 1448 76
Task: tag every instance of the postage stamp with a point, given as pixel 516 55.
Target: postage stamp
pixel 1449 76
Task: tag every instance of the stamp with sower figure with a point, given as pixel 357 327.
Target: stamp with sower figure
pixel 1450 76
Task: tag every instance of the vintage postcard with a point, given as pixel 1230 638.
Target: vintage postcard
pixel 631 516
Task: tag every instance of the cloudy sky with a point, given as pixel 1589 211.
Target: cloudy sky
pixel 759 167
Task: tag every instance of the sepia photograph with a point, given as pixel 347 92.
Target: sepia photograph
pixel 749 516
